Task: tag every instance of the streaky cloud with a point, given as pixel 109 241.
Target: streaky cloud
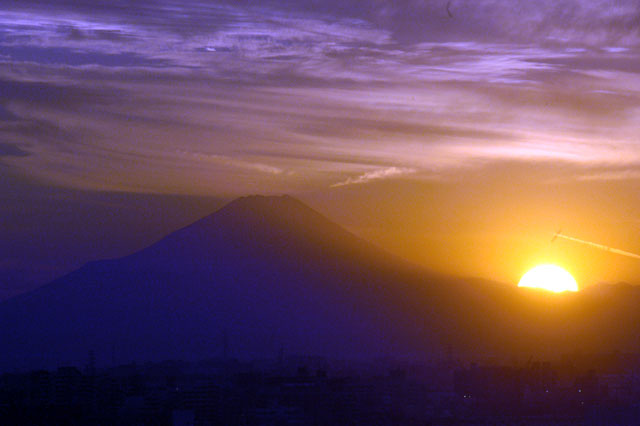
pixel 375 175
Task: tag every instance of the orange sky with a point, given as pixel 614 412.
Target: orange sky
pixel 461 140
pixel 497 224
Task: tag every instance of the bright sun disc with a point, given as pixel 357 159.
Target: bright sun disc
pixel 549 277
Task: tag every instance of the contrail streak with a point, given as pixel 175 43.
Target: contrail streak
pixel 596 245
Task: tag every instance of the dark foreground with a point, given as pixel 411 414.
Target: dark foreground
pixel 590 390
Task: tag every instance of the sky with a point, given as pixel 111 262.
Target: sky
pixel 458 134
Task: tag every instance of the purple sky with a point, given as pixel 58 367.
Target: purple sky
pixel 233 97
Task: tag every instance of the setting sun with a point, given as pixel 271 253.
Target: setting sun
pixel 549 277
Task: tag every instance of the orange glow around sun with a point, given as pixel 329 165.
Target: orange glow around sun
pixel 549 277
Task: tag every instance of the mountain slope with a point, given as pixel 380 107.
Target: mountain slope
pixel 269 272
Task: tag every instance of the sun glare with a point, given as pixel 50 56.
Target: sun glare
pixel 549 277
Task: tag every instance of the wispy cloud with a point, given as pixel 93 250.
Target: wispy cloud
pixel 611 175
pixel 233 162
pixel 305 93
pixel 375 175
pixel 12 150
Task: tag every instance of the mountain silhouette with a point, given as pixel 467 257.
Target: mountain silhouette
pixel 265 273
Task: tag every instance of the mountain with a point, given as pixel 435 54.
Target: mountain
pixel 269 272
pixel 265 272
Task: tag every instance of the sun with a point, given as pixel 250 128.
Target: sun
pixel 549 277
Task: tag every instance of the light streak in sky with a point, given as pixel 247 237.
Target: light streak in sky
pixel 596 245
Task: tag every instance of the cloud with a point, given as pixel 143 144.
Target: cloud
pixel 581 22
pixel 12 150
pixel 610 175
pixel 76 34
pixel 233 162
pixel 270 41
pixel 75 57
pixel 6 115
pixel 302 94
pixel 375 175
pixel 41 91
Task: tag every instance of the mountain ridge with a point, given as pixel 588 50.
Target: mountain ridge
pixel 257 260
pixel 272 272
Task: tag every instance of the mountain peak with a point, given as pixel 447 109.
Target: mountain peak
pixel 266 202
pixel 270 211
pixel 269 269
pixel 256 222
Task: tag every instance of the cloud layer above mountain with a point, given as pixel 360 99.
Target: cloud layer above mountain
pixel 279 95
